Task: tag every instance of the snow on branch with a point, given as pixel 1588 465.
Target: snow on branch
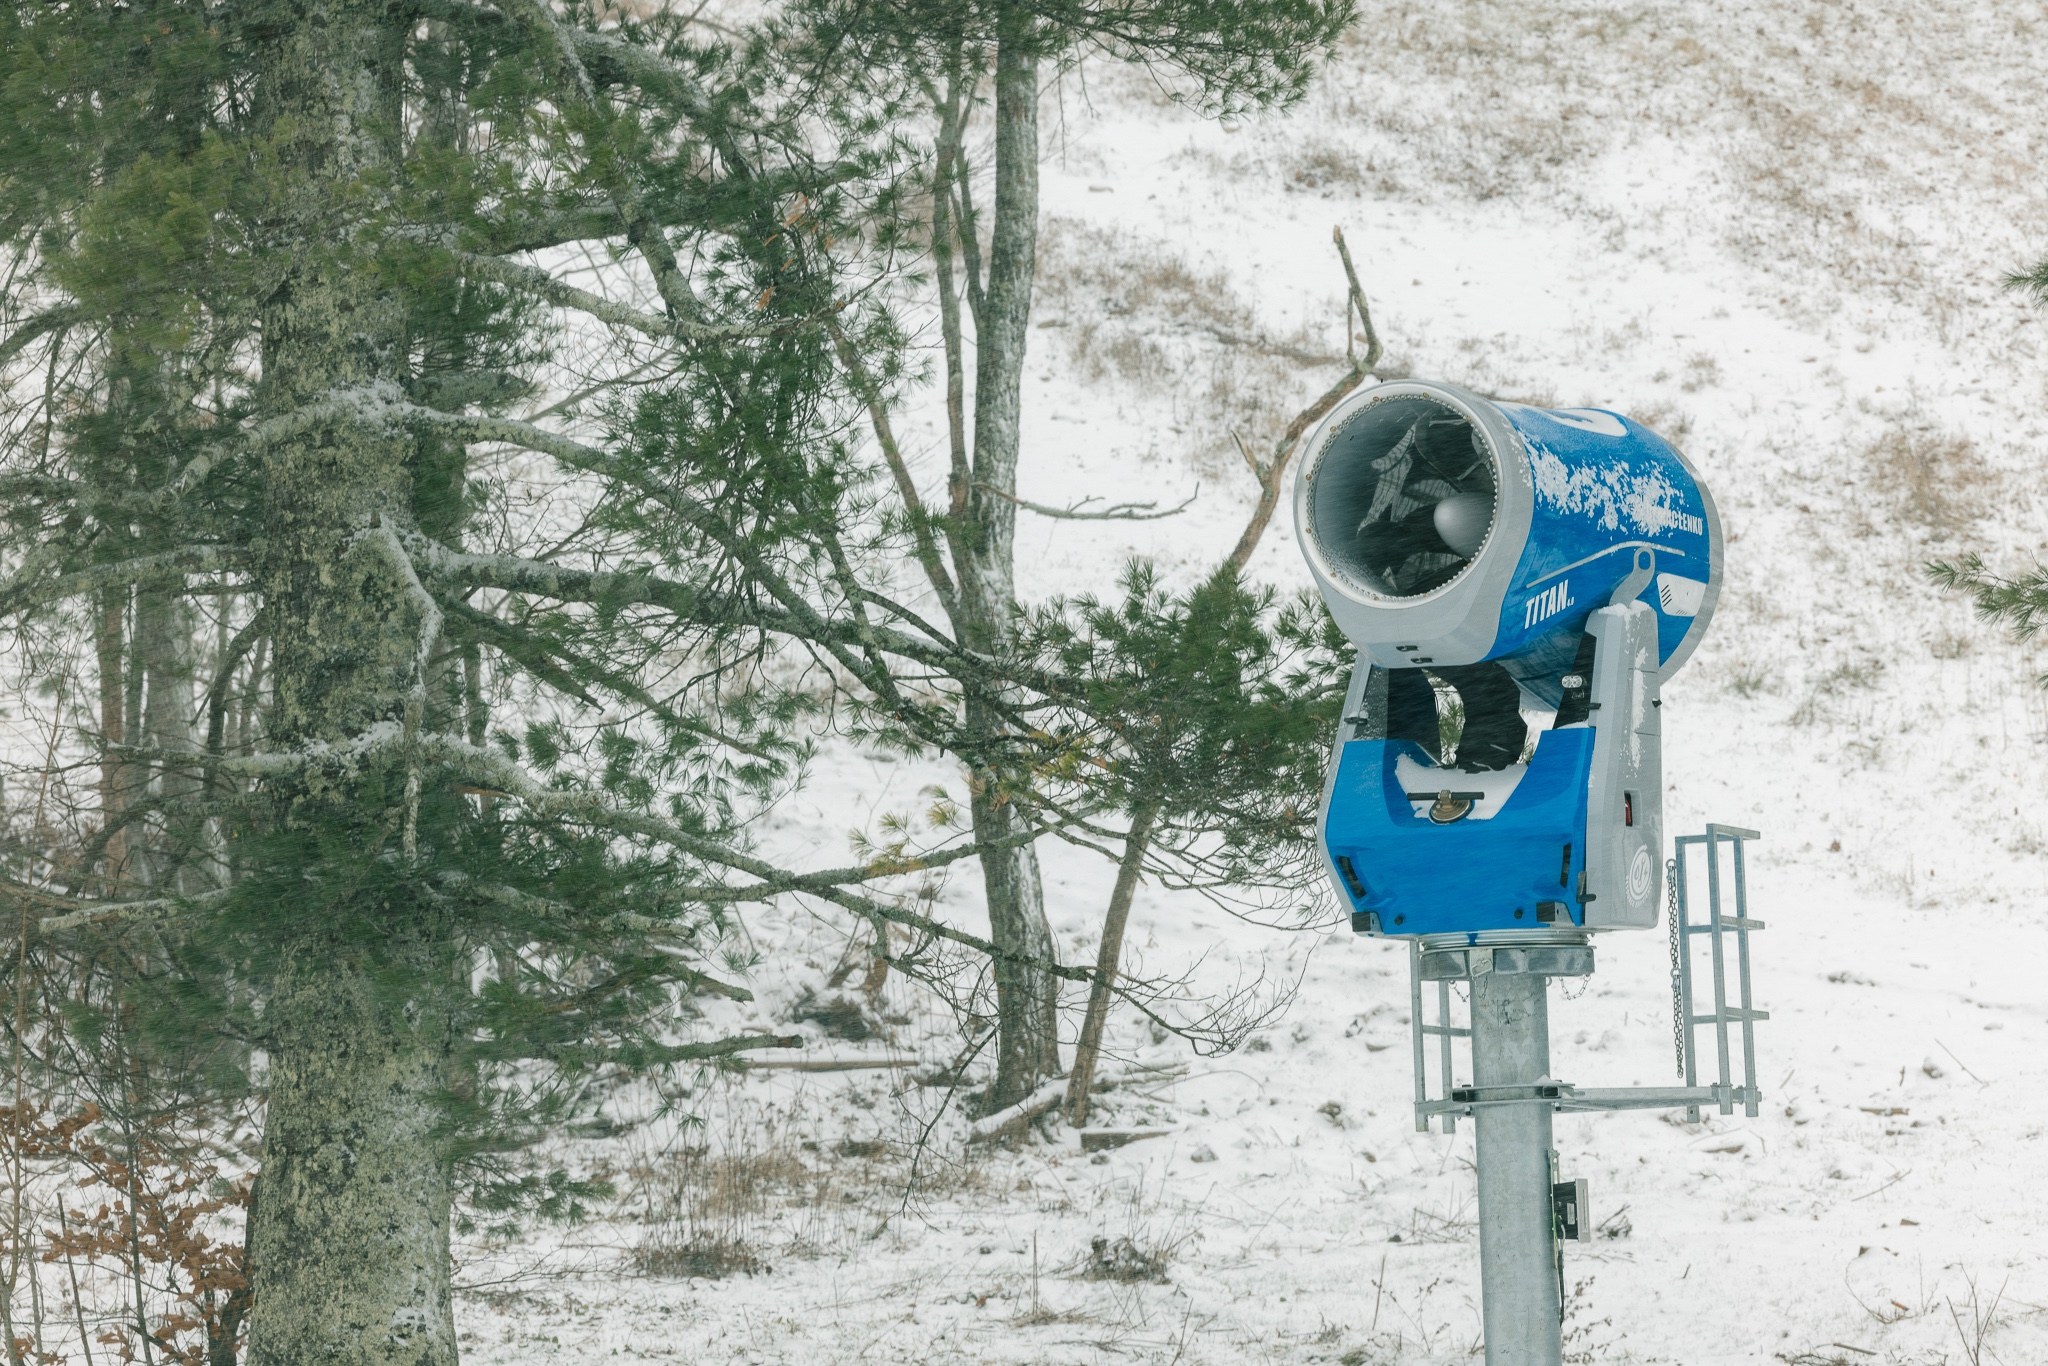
pixel 31 588
pixel 378 406
pixel 387 540
pixel 383 537
pixel 155 910
pixel 565 295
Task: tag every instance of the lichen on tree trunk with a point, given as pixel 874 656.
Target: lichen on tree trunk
pixel 348 1247
pixel 349 1238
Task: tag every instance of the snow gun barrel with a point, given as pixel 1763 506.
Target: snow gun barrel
pixel 1446 528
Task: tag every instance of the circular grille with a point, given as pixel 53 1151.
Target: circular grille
pixel 1403 497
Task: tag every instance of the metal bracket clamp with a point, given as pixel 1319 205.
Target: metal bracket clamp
pixel 1545 960
pixel 1444 963
pixel 1565 1098
pixel 1547 1092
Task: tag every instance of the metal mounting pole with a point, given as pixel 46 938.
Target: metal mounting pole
pixel 1518 1251
pixel 1524 1210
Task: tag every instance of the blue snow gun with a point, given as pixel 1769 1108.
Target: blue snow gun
pixel 1492 560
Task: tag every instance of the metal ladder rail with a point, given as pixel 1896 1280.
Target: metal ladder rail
pixel 1444 1031
pixel 1716 927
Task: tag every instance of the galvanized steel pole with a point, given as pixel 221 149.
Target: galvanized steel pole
pixel 1517 1230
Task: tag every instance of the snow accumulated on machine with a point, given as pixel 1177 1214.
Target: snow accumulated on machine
pixel 1505 558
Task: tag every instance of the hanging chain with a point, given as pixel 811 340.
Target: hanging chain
pixel 1677 963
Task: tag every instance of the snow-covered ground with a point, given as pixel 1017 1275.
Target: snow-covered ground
pixel 1776 232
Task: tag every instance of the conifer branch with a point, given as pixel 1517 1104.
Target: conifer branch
pixel 564 295
pixel 2019 603
pixel 30 589
pixel 646 235
pixel 17 488
pixel 501 775
pixel 154 910
pixel 36 328
pixel 646 1054
pixel 624 923
pixel 723 1048
pixel 919 518
pixel 217 693
pixel 494 772
pixel 564 670
pixel 594 222
pixel 423 667
pixel 616 588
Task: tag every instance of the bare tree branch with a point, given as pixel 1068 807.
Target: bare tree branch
pixel 870 392
pixel 1115 512
pixel 1270 473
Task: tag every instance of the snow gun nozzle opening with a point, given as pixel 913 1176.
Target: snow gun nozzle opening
pixel 1403 500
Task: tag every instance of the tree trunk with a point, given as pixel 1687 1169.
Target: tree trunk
pixel 1145 811
pixel 165 637
pixel 1001 329
pixel 1027 997
pixel 1088 1048
pixel 110 625
pixel 349 1244
pixel 348 1248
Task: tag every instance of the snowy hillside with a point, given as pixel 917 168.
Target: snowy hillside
pixel 1776 233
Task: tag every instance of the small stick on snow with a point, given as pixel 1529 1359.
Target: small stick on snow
pixel 1885 1187
pixel 1960 1063
pixel 1012 1119
pixel 828 1064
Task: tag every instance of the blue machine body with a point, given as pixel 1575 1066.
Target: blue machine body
pixel 1406 875
pixel 1604 488
pixel 1444 530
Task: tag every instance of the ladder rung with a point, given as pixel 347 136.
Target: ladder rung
pixel 1452 1030
pixel 1733 1014
pixel 1726 922
pixel 1726 832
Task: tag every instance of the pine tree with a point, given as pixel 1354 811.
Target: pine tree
pixel 427 734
